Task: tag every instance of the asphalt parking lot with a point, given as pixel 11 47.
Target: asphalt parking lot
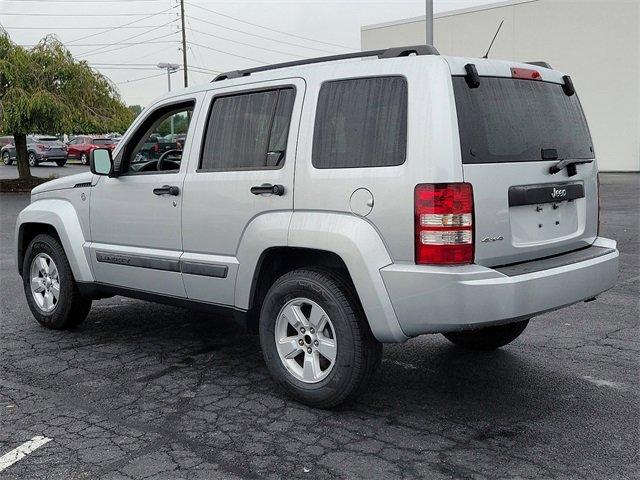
pixel 147 391
pixel 45 170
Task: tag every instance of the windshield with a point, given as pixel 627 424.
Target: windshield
pixel 510 120
pixel 101 141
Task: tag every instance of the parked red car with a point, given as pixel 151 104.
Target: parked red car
pixel 82 146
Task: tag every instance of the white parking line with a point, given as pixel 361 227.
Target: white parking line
pixel 22 451
pixel 605 383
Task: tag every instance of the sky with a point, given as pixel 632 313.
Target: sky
pixel 126 39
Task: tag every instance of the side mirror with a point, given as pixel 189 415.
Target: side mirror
pixel 101 161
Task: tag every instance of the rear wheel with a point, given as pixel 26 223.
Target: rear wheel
pixel 6 158
pixel 315 338
pixel 52 294
pixel 84 159
pixel 488 338
pixel 31 158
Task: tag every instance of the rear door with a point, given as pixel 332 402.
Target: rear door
pixel 513 128
pixel 247 140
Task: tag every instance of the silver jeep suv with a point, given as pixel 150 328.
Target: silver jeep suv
pixel 336 204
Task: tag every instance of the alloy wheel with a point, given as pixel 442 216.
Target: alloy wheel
pixel 45 282
pixel 32 160
pixel 306 340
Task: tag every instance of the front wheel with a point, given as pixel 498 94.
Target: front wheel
pixel 315 338
pixel 33 161
pixel 6 158
pixel 488 338
pixel 84 159
pixel 61 163
pixel 52 294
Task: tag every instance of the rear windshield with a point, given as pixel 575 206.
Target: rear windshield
pixel 101 141
pixel 510 120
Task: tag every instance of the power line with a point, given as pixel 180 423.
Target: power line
pixel 106 44
pixel 271 39
pixel 208 70
pixel 154 65
pixel 121 26
pixel 141 78
pixel 81 1
pixel 97 67
pixel 95 50
pixel 151 40
pixel 77 28
pixel 30 14
pixel 270 29
pixel 246 44
pixel 227 53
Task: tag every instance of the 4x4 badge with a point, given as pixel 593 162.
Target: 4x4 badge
pixel 492 239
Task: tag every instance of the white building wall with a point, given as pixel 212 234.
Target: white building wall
pixel 597 42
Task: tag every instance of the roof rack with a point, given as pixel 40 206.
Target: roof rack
pixel 384 53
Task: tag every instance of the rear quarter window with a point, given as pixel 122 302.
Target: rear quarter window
pixel 361 122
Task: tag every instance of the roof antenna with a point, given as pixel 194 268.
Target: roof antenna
pixel 486 55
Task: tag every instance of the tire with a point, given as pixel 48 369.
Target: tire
pixel 84 159
pixel 6 158
pixel 70 308
pixel 356 352
pixel 61 163
pixel 31 158
pixel 488 338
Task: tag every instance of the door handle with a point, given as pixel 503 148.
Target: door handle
pixel 268 188
pixel 167 190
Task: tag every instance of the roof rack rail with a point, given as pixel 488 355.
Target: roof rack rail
pixel 384 53
pixel 540 64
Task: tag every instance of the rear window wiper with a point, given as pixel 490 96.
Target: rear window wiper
pixel 569 164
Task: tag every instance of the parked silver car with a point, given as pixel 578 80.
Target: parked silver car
pixel 335 204
pixel 40 149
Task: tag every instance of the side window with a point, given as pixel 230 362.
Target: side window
pixel 361 122
pixel 157 144
pixel 248 131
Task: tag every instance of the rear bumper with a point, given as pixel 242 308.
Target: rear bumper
pixel 440 299
pixel 50 157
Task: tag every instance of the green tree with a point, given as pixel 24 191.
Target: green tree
pixel 44 90
pixel 135 110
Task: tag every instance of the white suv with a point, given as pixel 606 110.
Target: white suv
pixel 333 205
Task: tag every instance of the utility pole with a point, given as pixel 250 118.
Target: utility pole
pixel 429 21
pixel 170 68
pixel 184 46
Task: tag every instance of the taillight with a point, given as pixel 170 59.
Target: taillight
pixel 444 223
